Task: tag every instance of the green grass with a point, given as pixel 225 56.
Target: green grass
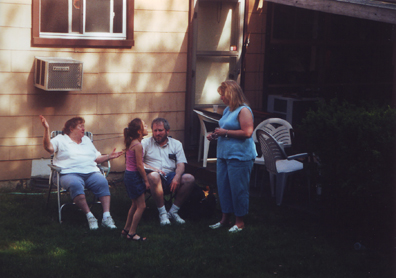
pixel 277 242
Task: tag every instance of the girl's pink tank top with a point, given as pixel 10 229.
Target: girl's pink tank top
pixel 131 159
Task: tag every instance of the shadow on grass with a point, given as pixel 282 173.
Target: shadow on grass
pixel 277 241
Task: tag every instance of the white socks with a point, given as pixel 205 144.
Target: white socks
pixel 162 210
pixel 174 209
pixel 106 214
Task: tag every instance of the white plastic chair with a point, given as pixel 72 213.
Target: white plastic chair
pixel 282 131
pixel 56 171
pixel 202 137
pixel 277 162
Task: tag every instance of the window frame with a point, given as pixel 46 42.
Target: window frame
pixel 38 41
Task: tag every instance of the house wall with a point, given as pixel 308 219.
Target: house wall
pixel 146 81
pixel 253 61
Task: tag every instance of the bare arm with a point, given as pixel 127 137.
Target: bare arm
pixel 245 119
pixel 46 137
pixel 176 182
pixel 107 157
pixel 138 149
pixel 154 169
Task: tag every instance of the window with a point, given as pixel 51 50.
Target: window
pixel 83 23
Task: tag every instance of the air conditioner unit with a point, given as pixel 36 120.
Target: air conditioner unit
pixel 290 109
pixel 58 74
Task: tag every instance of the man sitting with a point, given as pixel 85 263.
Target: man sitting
pixel 164 161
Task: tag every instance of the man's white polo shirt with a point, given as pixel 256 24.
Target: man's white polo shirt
pixel 158 157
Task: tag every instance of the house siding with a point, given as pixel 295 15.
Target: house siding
pixel 146 81
pixel 253 65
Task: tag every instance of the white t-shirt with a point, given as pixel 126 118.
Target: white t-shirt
pixel 73 157
pixel 158 157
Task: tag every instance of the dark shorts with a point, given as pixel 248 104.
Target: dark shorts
pixel 166 181
pixel 134 184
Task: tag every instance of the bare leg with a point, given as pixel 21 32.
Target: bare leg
pixel 225 218
pixel 81 203
pixel 140 205
pixel 156 188
pixel 131 212
pixel 239 222
pixel 187 185
pixel 105 201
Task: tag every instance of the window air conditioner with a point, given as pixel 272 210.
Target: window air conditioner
pixel 291 109
pixel 58 74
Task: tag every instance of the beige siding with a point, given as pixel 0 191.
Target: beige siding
pixel 254 57
pixel 147 81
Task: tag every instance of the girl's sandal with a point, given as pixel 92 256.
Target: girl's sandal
pixel 124 233
pixel 131 237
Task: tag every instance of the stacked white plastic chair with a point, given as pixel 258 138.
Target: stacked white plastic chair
pixel 282 131
pixel 277 162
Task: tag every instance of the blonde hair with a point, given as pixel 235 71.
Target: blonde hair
pixel 233 92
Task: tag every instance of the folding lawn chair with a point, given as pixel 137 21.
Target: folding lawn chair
pixel 56 171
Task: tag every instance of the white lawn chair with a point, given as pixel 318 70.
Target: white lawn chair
pixel 202 136
pixel 56 171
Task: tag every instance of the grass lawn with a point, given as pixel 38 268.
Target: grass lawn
pixel 277 242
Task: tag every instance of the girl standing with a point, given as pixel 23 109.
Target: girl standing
pixel 135 178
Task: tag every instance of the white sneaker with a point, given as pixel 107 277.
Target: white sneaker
pixel 93 223
pixel 164 220
pixel 175 216
pixel 108 222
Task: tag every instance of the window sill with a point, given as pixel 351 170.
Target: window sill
pixel 40 42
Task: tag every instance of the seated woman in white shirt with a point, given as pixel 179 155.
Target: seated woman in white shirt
pixel 75 154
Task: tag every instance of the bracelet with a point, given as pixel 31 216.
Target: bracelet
pixel 108 157
pixel 226 135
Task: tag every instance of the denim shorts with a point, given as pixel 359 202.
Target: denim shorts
pixel 165 180
pixel 134 184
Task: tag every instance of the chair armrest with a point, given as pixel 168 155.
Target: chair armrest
pixel 105 169
pixel 55 168
pixel 295 156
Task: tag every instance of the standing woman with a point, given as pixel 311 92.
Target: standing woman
pixel 236 152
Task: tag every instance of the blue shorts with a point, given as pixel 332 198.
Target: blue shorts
pixel 75 183
pixel 165 180
pixel 134 184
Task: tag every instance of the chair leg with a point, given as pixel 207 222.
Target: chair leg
pixel 200 147
pixel 272 183
pixel 59 196
pixel 281 180
pixel 206 151
pixel 49 189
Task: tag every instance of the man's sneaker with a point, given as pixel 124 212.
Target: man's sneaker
pixel 164 220
pixel 175 216
pixel 93 223
pixel 108 222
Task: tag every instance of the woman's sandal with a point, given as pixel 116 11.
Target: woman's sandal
pixel 130 237
pixel 124 233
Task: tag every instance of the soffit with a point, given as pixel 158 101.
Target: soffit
pixel 383 11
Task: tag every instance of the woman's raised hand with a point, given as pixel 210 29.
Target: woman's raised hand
pixel 115 154
pixel 44 122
